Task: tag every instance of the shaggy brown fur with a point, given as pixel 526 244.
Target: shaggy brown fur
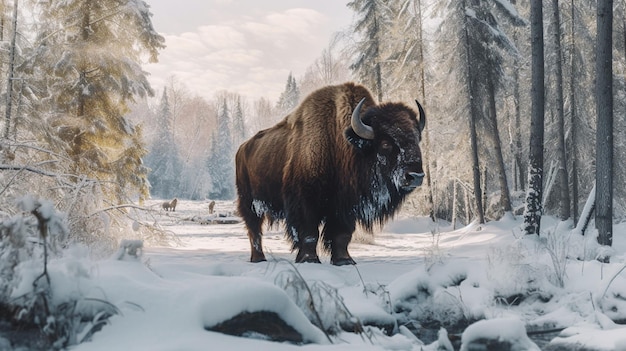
pixel 312 169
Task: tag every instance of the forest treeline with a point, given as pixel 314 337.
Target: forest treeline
pixel 83 127
pixel 469 62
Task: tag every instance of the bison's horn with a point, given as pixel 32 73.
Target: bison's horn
pixel 422 121
pixel 360 128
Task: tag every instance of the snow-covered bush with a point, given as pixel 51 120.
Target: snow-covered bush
pixel 29 242
pixel 321 303
pixel 512 274
pixel 433 298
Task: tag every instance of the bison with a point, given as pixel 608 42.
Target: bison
pixel 337 160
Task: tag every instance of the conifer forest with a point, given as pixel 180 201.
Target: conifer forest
pixel 526 106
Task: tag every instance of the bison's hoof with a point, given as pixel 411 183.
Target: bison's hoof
pixel 257 259
pixel 309 259
pixel 343 261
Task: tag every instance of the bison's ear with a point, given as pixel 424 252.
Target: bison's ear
pixel 357 141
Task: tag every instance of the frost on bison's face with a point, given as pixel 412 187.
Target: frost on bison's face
pixel 336 160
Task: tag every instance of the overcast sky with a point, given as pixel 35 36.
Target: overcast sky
pixel 244 46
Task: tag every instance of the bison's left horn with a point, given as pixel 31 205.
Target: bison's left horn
pixel 361 129
pixel 422 121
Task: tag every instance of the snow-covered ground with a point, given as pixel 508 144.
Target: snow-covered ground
pixel 412 278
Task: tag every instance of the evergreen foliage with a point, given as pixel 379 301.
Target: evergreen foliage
pixel 373 23
pixel 221 162
pixel 163 159
pixel 239 128
pixel 289 98
pixel 88 55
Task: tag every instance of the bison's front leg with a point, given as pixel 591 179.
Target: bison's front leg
pixel 336 239
pixel 339 255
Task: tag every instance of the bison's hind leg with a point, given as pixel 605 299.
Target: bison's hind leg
pixel 254 222
pixel 305 242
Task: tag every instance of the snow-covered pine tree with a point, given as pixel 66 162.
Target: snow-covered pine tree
pixel 534 208
pixel 488 45
pixel 407 52
pixel 10 72
pixel 409 75
pixel 221 163
pixel 373 23
pixel 473 47
pixel 289 98
pixel 163 159
pixel 239 127
pixel 87 55
pixel 604 124
pixel 562 176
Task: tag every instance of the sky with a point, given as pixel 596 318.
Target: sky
pixel 243 46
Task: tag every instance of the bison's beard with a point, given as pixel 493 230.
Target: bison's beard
pixel 383 198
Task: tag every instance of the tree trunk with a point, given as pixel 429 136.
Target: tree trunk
pixel 86 21
pixel 604 126
pixel 9 95
pixel 521 171
pixel 474 111
pixel 468 210
pixel 562 178
pixel 533 211
pixel 430 198
pixel 585 216
pixel 454 205
pixel 505 196
pixel 377 69
pixel 573 115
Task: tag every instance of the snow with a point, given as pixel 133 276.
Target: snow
pixel 489 276
pixel 499 329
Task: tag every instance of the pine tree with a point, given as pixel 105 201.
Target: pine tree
pixel 239 128
pixel 163 159
pixel 289 98
pixel 88 56
pixel 373 23
pixel 563 182
pixel 471 28
pixel 409 75
pixel 604 129
pixel 534 208
pixel 221 162
pixel 11 71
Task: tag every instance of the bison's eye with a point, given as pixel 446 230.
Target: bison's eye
pixel 386 146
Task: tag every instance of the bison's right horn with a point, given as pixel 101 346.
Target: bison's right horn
pixel 422 121
pixel 361 129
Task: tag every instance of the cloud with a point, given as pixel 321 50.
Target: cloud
pixel 251 55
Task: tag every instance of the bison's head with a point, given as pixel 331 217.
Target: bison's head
pixel 388 135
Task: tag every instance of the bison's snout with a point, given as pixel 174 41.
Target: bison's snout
pixel 412 180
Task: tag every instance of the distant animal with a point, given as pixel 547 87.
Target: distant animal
pixel 337 159
pixel 211 207
pixel 170 205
